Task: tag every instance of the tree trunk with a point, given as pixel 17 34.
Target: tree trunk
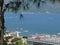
pixel 1 23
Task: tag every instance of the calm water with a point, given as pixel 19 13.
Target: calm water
pixel 45 20
pixel 34 23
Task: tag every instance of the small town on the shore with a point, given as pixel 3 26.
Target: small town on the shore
pixel 13 38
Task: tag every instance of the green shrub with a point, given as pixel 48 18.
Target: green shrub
pixel 16 39
pixel 25 37
pixel 20 42
pixel 8 37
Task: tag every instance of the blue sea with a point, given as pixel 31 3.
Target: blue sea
pixel 45 20
pixel 38 23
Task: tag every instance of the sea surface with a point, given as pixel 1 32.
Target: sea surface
pixel 33 23
pixel 46 19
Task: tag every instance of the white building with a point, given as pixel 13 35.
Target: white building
pixel 14 34
pixel 24 40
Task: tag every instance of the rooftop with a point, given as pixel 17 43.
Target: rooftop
pixel 50 39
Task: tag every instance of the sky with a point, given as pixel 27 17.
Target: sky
pixel 46 7
pixel 6 1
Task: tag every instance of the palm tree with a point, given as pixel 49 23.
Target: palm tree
pixel 1 22
pixel 14 5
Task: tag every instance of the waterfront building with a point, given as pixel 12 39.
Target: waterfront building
pixel 14 34
pixel 44 40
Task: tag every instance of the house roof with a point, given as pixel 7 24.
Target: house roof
pixel 14 37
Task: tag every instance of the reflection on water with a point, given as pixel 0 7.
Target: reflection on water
pixel 44 6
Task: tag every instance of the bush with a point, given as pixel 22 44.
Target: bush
pixel 16 39
pixel 20 42
pixel 8 37
pixel 25 37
